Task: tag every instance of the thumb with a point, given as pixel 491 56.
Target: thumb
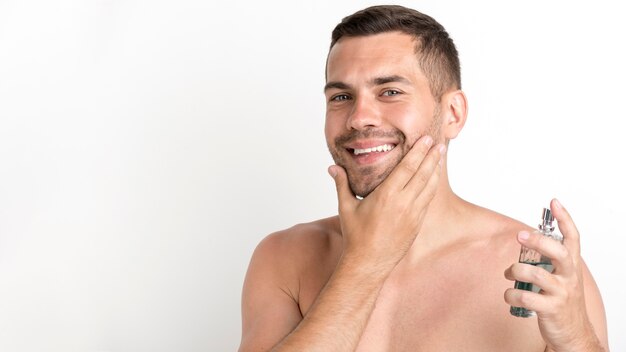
pixel 344 194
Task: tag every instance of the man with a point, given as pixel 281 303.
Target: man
pixel 408 265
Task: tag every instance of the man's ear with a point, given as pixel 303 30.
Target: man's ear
pixel 454 113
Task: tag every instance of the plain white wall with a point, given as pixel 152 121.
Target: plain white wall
pixel 147 146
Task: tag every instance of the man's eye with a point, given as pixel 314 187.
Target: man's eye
pixel 390 93
pixel 340 97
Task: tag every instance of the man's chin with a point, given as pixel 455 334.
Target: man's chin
pixel 362 188
pixel 365 181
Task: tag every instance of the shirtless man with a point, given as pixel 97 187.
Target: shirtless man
pixel 408 265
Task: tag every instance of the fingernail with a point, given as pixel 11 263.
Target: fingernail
pixel 442 149
pixel 332 172
pixel 523 235
pixel 428 140
pixel 557 203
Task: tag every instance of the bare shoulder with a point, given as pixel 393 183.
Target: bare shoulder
pixel 307 250
pixel 303 242
pixel 488 231
pixel 494 226
pixel 274 285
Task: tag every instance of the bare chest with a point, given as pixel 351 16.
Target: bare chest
pixel 449 307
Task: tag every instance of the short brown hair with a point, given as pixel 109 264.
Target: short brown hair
pixel 437 55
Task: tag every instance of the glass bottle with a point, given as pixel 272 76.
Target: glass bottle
pixel 532 257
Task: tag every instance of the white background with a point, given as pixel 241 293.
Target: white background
pixel 147 146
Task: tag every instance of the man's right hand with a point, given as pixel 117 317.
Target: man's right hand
pixel 381 228
pixel 377 233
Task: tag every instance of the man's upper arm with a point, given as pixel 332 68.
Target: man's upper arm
pixel 269 307
pixel 595 307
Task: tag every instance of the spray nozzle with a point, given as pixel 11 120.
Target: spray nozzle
pixel 546 220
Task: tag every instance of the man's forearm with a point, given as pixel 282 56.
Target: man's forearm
pixel 338 317
pixel 591 344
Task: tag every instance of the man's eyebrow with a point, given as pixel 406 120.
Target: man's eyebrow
pixel 375 82
pixel 336 85
pixel 389 79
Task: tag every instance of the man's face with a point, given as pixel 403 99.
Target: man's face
pixel 378 103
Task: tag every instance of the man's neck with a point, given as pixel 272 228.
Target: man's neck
pixel 447 213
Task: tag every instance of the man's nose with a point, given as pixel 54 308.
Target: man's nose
pixel 364 114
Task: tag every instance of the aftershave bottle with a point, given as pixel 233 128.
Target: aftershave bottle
pixel 532 257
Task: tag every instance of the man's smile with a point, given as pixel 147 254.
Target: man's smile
pixel 369 152
pixel 379 148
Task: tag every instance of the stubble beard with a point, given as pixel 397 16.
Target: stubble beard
pixel 364 180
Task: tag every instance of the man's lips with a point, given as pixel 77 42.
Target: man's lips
pixel 373 145
pixel 369 152
pixel 374 149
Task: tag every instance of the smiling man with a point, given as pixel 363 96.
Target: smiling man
pixel 408 265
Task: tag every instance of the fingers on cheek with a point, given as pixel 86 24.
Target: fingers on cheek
pixel 429 190
pixel 431 186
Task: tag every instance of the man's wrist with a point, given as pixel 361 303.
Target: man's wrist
pixel 367 264
pixel 588 342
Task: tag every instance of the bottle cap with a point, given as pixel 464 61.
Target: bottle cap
pixel 547 216
pixel 546 220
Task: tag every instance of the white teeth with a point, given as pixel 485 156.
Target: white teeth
pixel 380 148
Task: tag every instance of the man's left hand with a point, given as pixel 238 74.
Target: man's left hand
pixel 560 305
